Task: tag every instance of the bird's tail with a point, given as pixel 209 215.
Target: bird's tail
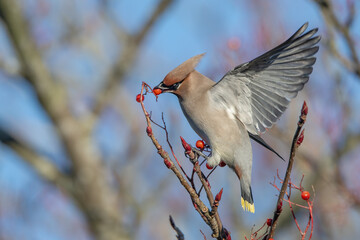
pixel 247 201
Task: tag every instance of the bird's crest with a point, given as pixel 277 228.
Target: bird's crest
pixel 182 71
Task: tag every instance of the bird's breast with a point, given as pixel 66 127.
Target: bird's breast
pixel 211 123
pixel 197 121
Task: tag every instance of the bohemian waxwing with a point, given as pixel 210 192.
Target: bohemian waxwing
pixel 244 103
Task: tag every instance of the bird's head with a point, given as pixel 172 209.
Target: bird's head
pixel 174 80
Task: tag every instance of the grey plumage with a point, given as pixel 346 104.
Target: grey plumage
pixel 245 102
pixel 260 90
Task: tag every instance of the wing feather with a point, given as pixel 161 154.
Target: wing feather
pixel 259 91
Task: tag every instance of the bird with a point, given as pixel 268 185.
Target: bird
pixel 246 102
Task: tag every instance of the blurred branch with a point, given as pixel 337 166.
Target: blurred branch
pixel 98 201
pixel 40 164
pixel 350 143
pixel 158 11
pixel 355 200
pixel 332 21
pixel 44 168
pixel 126 59
pixel 8 69
pixel 127 182
pixel 49 93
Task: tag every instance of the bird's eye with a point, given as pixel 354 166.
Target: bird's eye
pixel 176 85
pixel 168 88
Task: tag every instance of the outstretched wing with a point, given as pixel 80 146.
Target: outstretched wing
pixel 259 91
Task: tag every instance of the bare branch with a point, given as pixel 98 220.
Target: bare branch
pixel 297 140
pixel 211 218
pixel 180 235
pixel 9 69
pixel 305 196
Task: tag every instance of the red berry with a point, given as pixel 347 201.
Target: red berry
pixel 271 239
pixel 200 144
pixel 269 222
pixel 157 91
pixel 140 98
pixel 222 164
pixel 305 195
pixel 208 166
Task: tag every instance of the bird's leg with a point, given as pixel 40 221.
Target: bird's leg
pixel 212 160
pixel 199 153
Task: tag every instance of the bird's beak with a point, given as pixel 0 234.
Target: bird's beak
pixel 164 88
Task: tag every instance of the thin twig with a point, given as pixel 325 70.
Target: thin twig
pixel 295 144
pixel 180 235
pixel 168 142
pixel 212 170
pixel 203 235
pixel 310 222
pixel 209 196
pixel 199 205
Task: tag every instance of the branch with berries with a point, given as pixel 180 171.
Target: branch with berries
pixel 208 213
pixel 296 142
pixel 264 230
pixel 305 195
pixel 267 230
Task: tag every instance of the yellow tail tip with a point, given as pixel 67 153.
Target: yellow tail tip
pixel 247 206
